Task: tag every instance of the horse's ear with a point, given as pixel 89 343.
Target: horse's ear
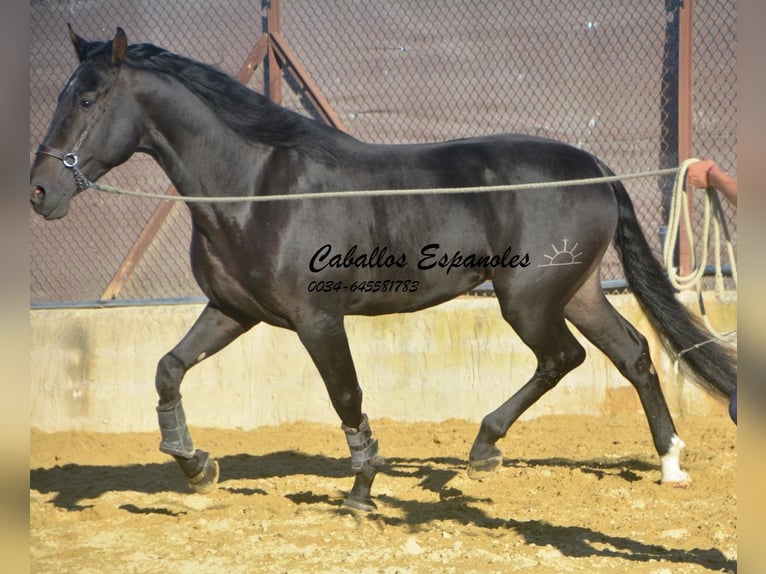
pixel 119 46
pixel 78 43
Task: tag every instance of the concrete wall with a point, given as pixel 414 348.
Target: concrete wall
pixel 93 369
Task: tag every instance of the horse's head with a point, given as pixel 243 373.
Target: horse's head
pixel 93 128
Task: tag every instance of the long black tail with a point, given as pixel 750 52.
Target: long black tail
pixel 710 365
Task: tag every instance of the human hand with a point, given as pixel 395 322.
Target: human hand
pixel 698 173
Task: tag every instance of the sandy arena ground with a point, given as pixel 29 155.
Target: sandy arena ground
pixel 575 494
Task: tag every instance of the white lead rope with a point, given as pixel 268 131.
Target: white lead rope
pixel 678 208
pixel 367 193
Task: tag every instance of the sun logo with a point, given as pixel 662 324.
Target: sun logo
pixel 564 256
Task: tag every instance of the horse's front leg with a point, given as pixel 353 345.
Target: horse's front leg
pixel 212 331
pixel 325 339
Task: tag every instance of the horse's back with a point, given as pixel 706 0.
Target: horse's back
pixel 381 254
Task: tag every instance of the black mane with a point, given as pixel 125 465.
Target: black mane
pixel 251 115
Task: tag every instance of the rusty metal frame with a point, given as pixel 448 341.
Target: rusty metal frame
pixel 685 147
pixel 270 47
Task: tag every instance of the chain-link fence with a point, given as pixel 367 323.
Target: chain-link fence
pixel 596 74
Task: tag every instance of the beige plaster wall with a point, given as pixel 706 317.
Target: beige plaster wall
pixel 93 369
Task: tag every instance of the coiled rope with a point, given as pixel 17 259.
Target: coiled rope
pixel 713 215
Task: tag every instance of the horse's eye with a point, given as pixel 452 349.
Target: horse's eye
pixel 86 104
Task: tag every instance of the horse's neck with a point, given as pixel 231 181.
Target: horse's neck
pixel 195 149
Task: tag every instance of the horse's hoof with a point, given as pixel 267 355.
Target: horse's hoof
pixel 682 482
pixel 675 478
pixel 207 479
pixel 363 504
pixel 479 469
pixel 676 484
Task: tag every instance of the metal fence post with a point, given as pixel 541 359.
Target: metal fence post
pixel 685 62
pixel 273 75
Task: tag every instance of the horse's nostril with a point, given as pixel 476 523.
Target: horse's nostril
pixel 37 195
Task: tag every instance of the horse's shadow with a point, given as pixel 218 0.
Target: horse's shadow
pixel 628 469
pixel 75 484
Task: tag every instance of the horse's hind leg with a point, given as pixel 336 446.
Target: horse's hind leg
pixel 557 352
pixel 212 331
pixel 325 339
pixel 597 320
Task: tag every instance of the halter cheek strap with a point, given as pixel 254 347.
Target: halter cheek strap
pixel 70 159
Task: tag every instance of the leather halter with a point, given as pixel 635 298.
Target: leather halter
pixel 71 159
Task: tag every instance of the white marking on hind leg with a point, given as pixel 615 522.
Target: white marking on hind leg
pixel 671 468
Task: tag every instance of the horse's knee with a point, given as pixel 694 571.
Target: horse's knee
pixel 552 368
pixel 347 402
pixel 170 371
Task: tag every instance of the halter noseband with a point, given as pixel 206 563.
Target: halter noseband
pixel 70 162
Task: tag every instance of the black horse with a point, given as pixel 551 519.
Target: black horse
pixel 304 265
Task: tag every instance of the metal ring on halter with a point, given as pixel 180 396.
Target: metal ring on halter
pixel 70 160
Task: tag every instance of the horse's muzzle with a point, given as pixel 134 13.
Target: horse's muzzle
pixel 37 198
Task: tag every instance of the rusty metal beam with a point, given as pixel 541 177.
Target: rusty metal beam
pixel 274 26
pixel 256 56
pixel 139 248
pixel 685 118
pixel 315 95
